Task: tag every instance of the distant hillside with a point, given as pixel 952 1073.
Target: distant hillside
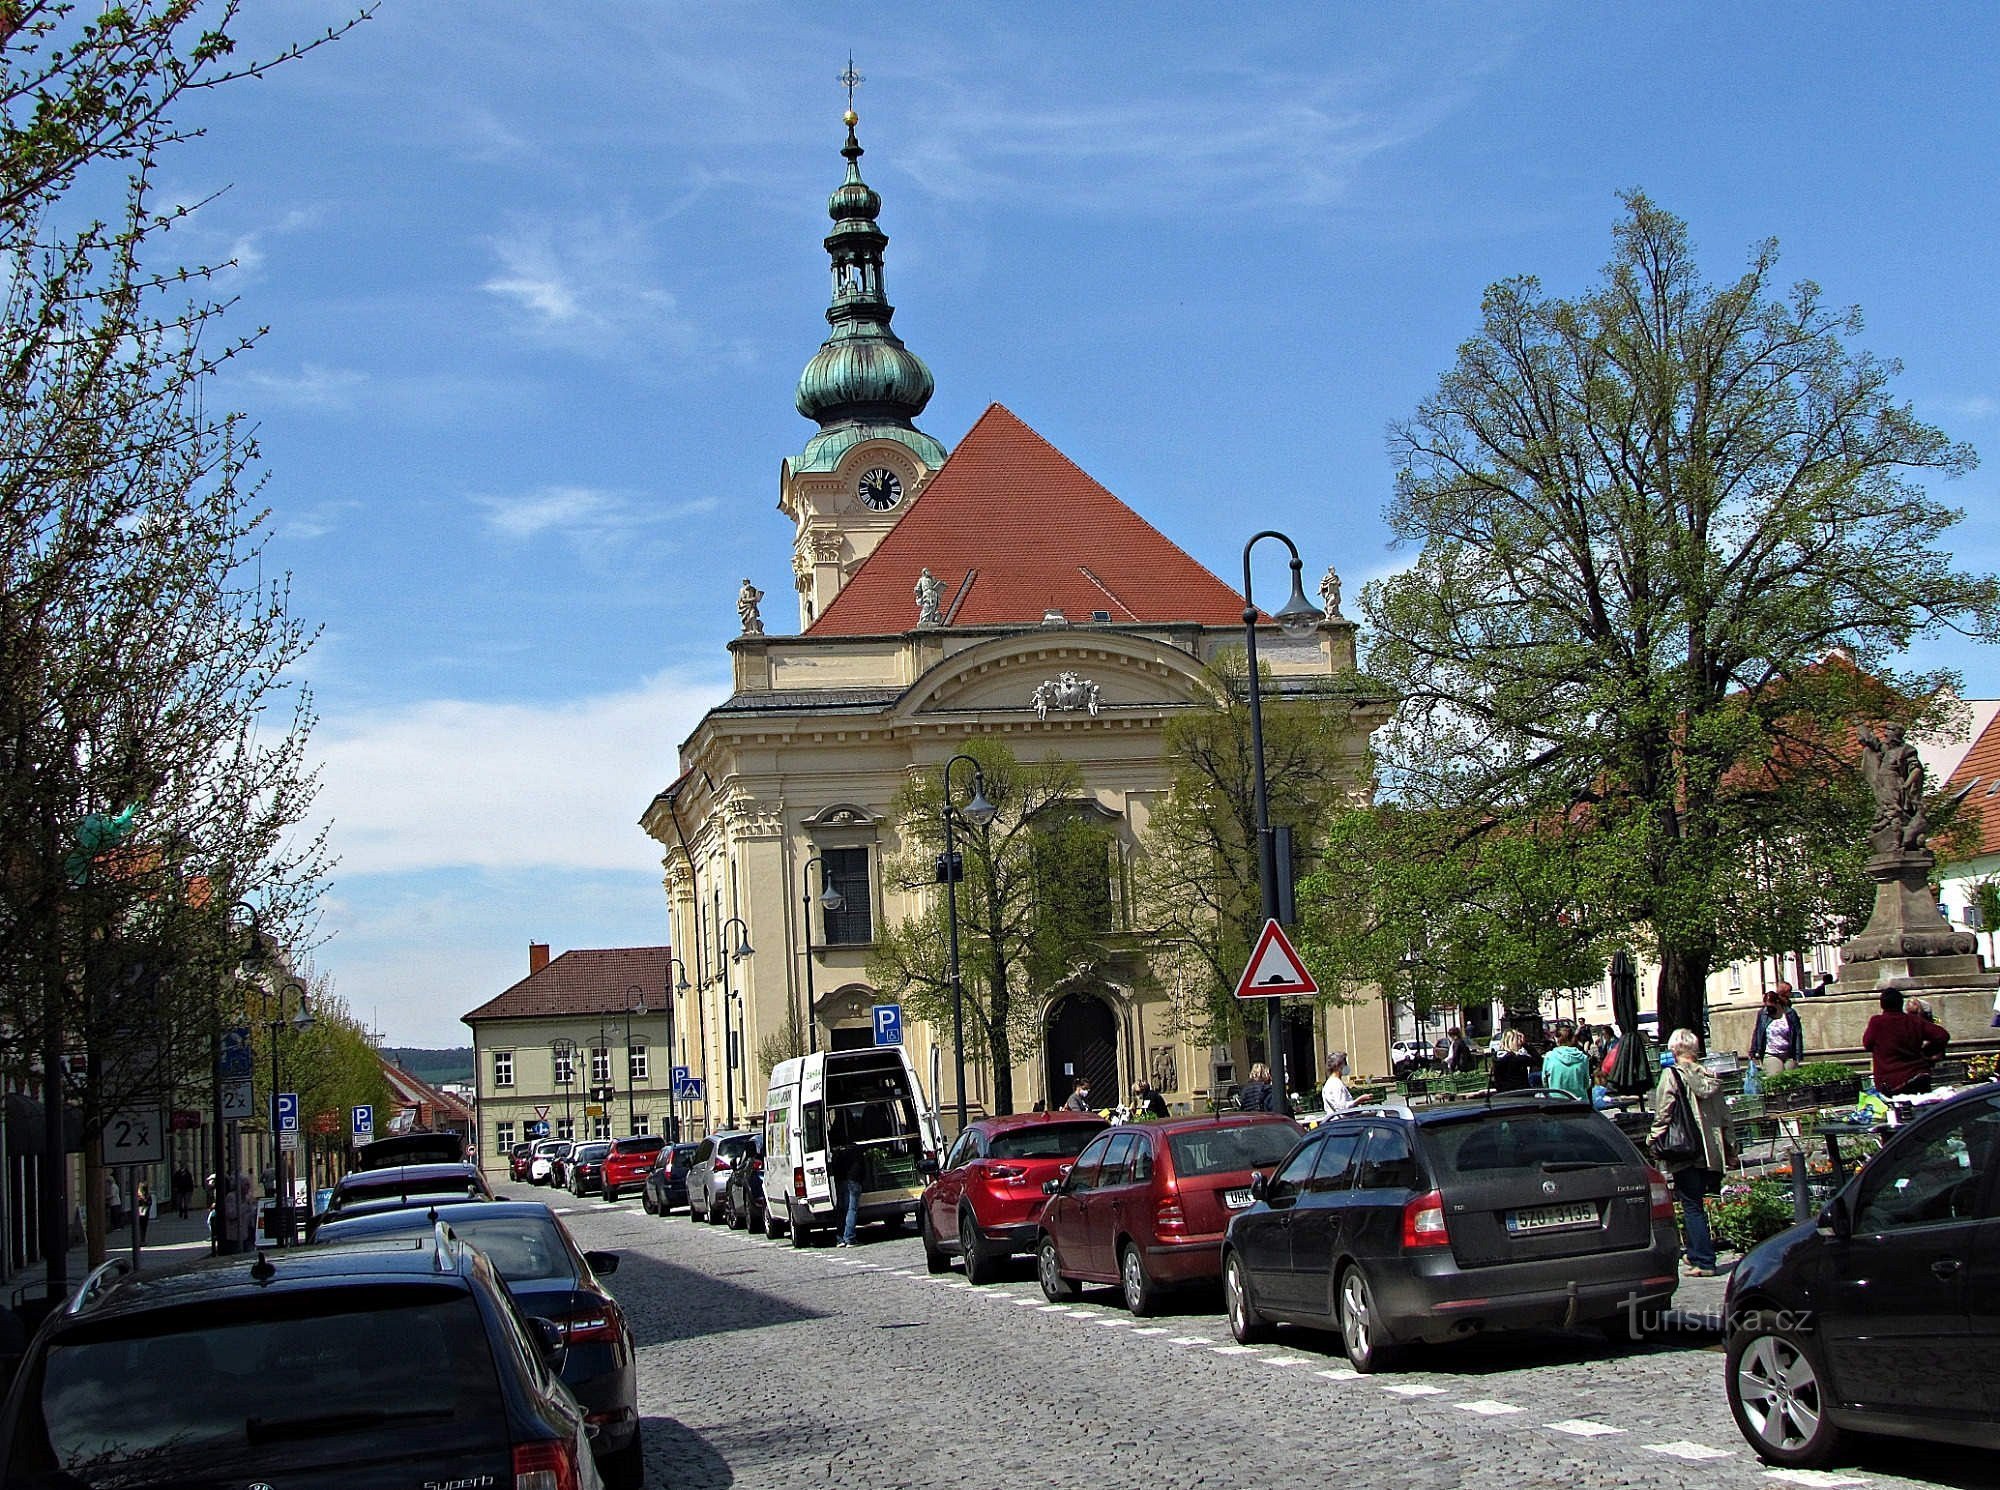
pixel 434 1066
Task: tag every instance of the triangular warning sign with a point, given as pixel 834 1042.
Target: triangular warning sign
pixel 1275 969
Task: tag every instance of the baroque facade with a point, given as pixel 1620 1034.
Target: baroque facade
pixel 995 590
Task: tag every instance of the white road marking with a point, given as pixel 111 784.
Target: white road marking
pixel 1285 1360
pixel 1820 1479
pixel 1412 1389
pixel 1487 1408
pixel 1053 1308
pixel 1683 1449
pixel 1113 1324
pixel 1338 1374
pixel 1235 1349
pixel 1031 1304
pixel 1584 1428
pixel 1192 1340
pixel 1150 1330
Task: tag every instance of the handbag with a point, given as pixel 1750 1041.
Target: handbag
pixel 1679 1142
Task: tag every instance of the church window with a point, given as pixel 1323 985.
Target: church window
pixel 846 870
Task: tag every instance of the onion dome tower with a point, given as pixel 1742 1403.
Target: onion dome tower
pixel 863 383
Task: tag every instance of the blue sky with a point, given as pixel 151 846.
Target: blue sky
pixel 540 279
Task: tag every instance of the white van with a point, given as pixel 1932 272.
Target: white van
pixel 875 1097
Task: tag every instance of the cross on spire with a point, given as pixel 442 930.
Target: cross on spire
pixel 850 79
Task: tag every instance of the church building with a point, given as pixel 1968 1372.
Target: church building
pixel 991 590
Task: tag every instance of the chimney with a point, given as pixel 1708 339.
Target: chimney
pixel 538 957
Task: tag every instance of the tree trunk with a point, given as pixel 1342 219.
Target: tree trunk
pixel 1001 1050
pixel 1683 989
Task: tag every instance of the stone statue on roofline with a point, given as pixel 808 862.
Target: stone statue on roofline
pixel 1329 595
pixel 747 600
pixel 930 599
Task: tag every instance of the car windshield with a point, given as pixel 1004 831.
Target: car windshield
pixel 1226 1149
pixel 338 1364
pixel 1043 1141
pixel 640 1145
pixel 1500 1142
pixel 590 1153
pixel 732 1148
pixel 522 1249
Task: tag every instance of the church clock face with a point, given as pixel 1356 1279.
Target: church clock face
pixel 880 488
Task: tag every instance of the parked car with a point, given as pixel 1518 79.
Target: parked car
pixel 983 1203
pixel 548 1154
pixel 583 1171
pixel 1396 1226
pixel 1880 1315
pixel 873 1096
pixel 397 1362
pixel 1410 1053
pixel 518 1159
pixel 407 1185
pixel 550 1278
pixel 708 1171
pixel 629 1162
pixel 667 1181
pixel 1146 1204
pixel 743 1192
pixel 411 1148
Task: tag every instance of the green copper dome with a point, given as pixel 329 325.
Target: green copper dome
pixel 863 383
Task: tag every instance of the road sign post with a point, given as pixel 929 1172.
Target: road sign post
pixel 1275 969
pixel 363 1124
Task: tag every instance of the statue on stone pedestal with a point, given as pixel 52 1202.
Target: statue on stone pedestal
pixel 1895 773
pixel 747 600
pixel 930 599
pixel 1329 596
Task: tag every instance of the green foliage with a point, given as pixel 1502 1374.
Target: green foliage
pixel 1197 885
pixel 1744 1215
pixel 1645 517
pixel 1034 906
pixel 451 1063
pixel 1807 1074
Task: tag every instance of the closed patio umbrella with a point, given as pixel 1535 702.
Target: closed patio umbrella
pixel 1633 1070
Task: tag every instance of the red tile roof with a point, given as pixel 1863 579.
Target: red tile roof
pixel 433 1107
pixel 585 981
pixel 1012 529
pixel 1981 771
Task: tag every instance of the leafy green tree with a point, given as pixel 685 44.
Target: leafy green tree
pixel 1643 517
pixel 1196 881
pixel 1034 907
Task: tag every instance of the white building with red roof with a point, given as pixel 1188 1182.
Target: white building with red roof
pixel 993 591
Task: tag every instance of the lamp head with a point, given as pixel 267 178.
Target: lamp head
pixel 682 986
pixel 833 900
pixel 303 1020
pixel 743 948
pixel 1299 615
pixel 979 812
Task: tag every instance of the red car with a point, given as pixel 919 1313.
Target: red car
pixel 1146 1204
pixel 984 1202
pixel 630 1159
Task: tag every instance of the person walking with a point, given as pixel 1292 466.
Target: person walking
pixel 1691 1140
pixel 1566 1068
pixel 182 1191
pixel 142 1208
pixel 1903 1046
pixel 1079 1097
pixel 1778 1041
pixel 1457 1054
pixel 843 1166
pixel 114 1202
pixel 1513 1067
pixel 1256 1093
pixel 1336 1096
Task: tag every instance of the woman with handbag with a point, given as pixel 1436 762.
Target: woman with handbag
pixel 1691 1140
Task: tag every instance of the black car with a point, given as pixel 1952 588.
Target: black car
pixel 411 1148
pixel 667 1183
pixel 381 1366
pixel 1396 1226
pixel 550 1279
pixel 414 1184
pixel 583 1170
pixel 743 1191
pixel 1883 1314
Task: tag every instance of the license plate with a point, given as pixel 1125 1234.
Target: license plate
pixel 1552 1217
pixel 1236 1199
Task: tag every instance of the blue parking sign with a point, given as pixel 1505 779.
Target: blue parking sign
pixel 288 1112
pixel 888 1024
pixel 364 1121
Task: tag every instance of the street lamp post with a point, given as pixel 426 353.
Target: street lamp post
pixel 831 900
pixel 255 953
pixel 562 1051
pixel 1297 618
pixel 634 996
pixel 743 949
pixel 677 987
pixel 273 1002
pixel 976 813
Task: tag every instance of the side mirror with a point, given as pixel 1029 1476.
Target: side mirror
pixel 554 1344
pixel 1050 1187
pixel 1834 1219
pixel 928 1168
pixel 1257 1184
pixel 602 1262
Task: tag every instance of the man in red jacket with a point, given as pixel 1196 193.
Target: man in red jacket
pixel 1903 1045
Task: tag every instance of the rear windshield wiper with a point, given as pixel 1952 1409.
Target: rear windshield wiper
pixel 275 1430
pixel 1568 1166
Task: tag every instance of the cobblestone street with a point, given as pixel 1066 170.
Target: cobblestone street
pixel 765 1366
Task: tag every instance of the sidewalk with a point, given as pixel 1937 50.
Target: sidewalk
pixel 168 1238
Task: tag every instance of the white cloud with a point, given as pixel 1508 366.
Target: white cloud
pixel 587 286
pixel 311 387
pixel 458 782
pixel 1977 406
pixel 593 521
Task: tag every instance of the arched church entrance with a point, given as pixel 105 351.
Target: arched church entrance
pixel 1082 1041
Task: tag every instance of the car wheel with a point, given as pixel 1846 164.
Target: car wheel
pixel 982 1263
pixel 801 1234
pixel 1048 1268
pixel 1777 1392
pixel 693 1214
pixel 1245 1323
pixel 1360 1326
pixel 610 1195
pixel 626 1469
pixel 773 1227
pixel 646 1203
pixel 1142 1295
pixel 738 1220
pixel 936 1259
